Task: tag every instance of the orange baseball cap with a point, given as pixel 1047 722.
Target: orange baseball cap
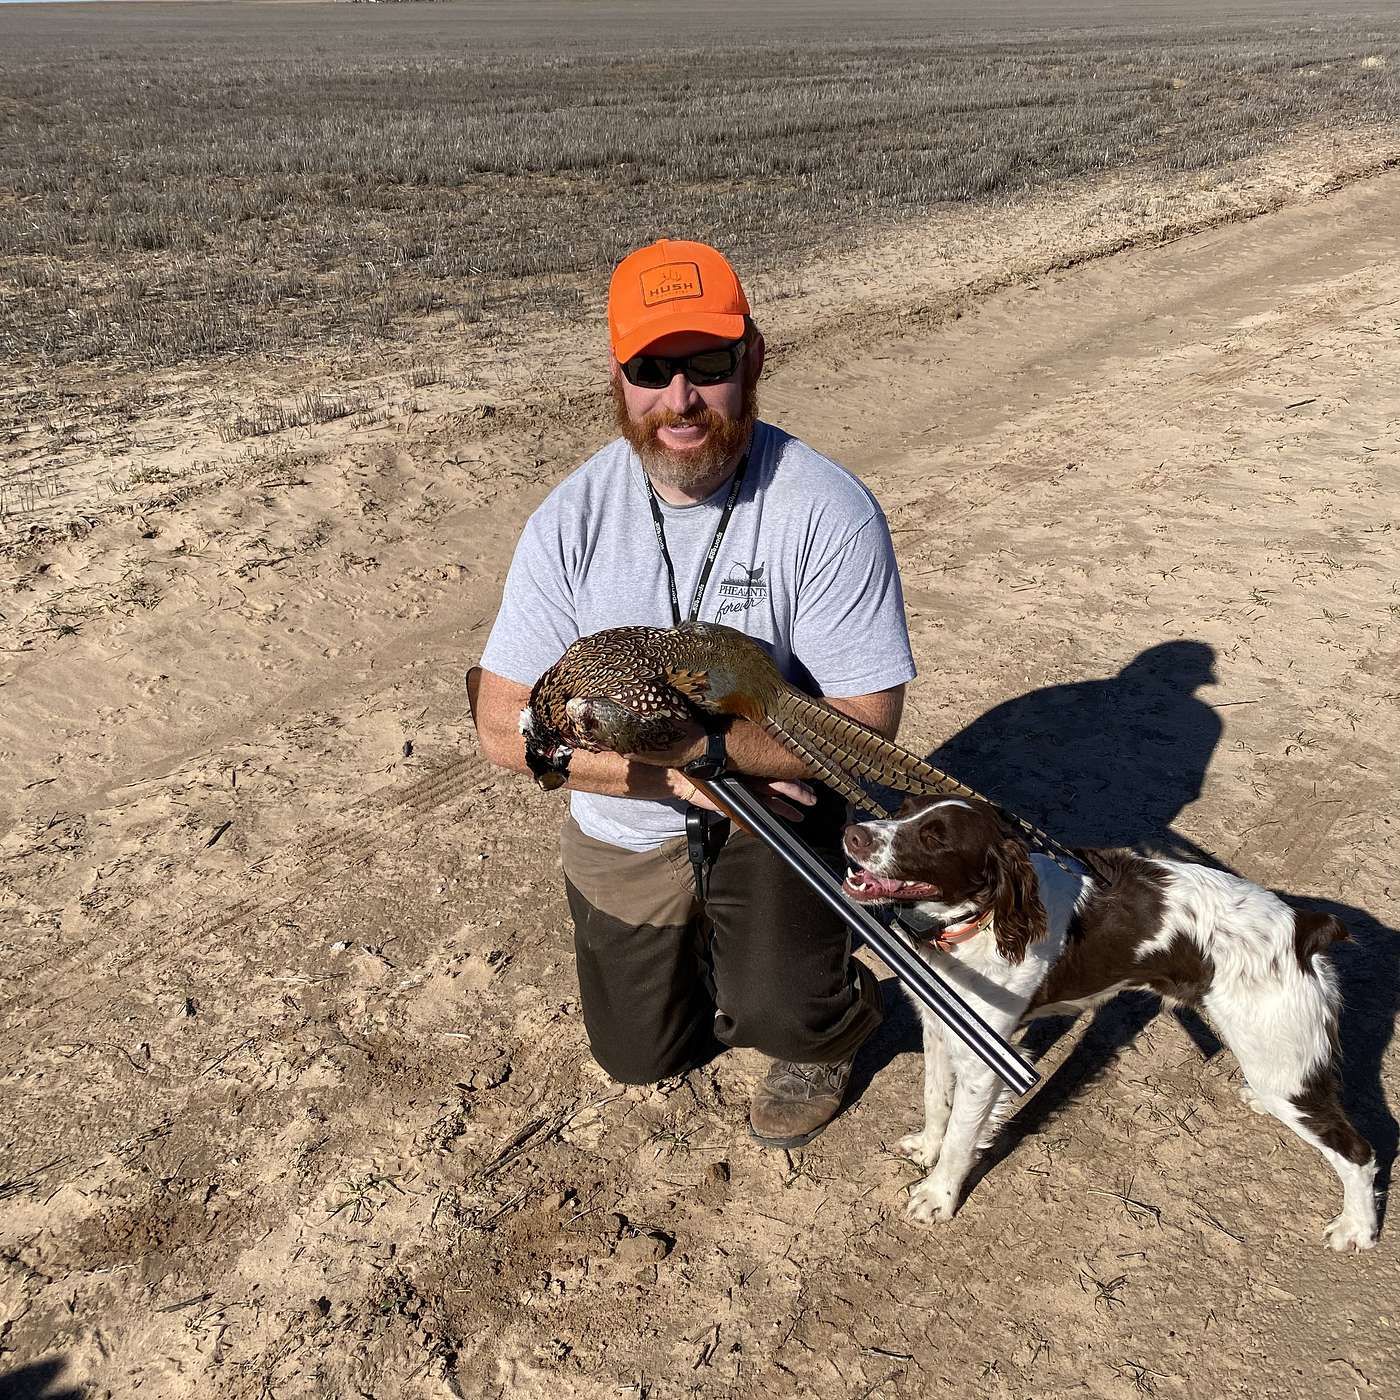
pixel 670 286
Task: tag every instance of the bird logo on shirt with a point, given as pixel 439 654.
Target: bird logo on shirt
pixel 742 588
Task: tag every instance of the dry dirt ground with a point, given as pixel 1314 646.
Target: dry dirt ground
pixel 296 1092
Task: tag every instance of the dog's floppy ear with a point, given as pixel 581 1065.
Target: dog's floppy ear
pixel 1017 913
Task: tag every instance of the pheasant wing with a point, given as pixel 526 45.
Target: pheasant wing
pixel 651 698
pixel 694 685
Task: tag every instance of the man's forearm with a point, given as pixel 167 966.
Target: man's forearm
pixel 606 773
pixel 750 749
pixel 615 776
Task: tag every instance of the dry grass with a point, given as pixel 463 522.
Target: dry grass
pixel 183 182
pixel 310 407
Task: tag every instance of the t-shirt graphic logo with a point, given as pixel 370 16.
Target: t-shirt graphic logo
pixel 741 589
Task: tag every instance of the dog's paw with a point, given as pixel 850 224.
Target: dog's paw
pixel 932 1203
pixel 1251 1100
pixel 1351 1235
pixel 918 1148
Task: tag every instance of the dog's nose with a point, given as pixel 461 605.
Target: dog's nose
pixel 856 839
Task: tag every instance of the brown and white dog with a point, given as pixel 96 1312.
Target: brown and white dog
pixel 1022 937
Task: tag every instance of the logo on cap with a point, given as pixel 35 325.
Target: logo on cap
pixel 671 282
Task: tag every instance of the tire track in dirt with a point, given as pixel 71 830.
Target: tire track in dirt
pixel 391 812
pixel 384 815
pixel 1296 272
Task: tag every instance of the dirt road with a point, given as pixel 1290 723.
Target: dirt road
pixel 298 1094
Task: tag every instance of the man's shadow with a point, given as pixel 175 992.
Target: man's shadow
pixel 1114 762
pixel 1109 762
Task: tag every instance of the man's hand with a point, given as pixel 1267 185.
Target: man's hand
pixel 785 797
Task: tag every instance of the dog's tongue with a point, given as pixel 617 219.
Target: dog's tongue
pixel 872 886
pixel 861 884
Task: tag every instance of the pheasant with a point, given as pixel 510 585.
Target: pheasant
pixel 637 689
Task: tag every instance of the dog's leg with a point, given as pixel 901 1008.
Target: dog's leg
pixel 923 1147
pixel 976 1090
pixel 1314 1111
pixel 975 1096
pixel 1293 1077
pixel 1251 1100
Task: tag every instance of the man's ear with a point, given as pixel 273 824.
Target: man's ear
pixel 753 357
pixel 1018 916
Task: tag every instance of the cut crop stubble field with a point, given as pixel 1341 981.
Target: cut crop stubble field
pixel 180 182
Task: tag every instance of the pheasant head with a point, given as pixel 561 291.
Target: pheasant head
pixel 547 755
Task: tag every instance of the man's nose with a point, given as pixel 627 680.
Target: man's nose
pixel 679 395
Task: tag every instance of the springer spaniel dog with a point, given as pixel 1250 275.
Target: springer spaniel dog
pixel 1021 937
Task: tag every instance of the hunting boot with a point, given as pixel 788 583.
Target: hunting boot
pixel 794 1102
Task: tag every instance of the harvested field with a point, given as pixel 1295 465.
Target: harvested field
pixel 298 1097
pixel 183 184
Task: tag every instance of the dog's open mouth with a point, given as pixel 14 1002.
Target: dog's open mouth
pixel 866 888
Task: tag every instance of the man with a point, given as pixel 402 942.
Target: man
pixel 701 511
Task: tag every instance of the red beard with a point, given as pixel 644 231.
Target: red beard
pixel 725 438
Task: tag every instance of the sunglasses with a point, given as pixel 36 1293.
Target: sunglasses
pixel 702 368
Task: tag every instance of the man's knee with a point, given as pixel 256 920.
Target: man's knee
pixel 818 1033
pixel 641 1064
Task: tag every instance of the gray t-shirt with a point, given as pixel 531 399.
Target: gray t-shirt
pixel 805 567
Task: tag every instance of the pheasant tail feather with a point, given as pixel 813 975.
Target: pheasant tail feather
pixel 837 745
pixel 858 751
pixel 832 776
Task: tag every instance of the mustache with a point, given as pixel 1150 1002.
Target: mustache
pixel 703 417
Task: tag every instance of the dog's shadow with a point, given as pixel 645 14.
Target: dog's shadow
pixel 1113 762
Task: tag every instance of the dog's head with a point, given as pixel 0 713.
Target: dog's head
pixel 954 857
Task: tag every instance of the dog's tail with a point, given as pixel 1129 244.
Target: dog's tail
pixel 1315 933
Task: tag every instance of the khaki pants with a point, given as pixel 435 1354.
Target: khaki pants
pixel 666 980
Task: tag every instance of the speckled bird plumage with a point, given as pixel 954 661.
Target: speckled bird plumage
pixel 636 689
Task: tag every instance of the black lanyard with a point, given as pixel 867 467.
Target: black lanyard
pixel 735 484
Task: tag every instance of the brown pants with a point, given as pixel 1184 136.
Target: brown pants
pixel 666 980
